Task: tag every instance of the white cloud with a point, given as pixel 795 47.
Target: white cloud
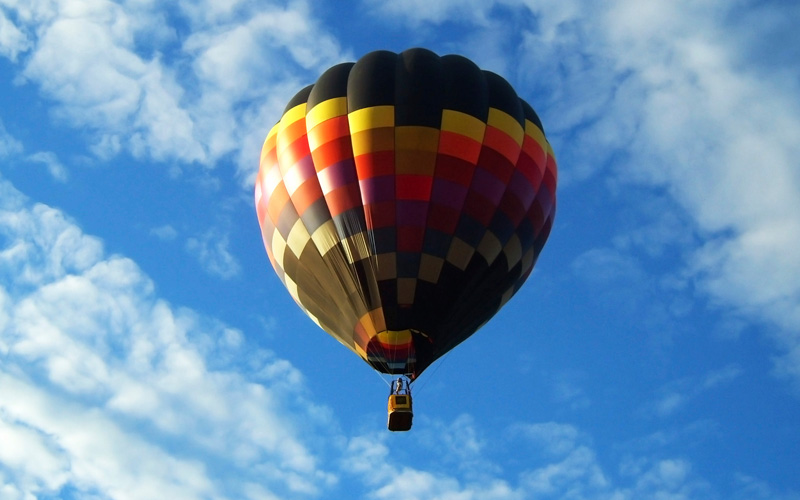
pixel 422 11
pixel 549 460
pixel 85 59
pixel 68 444
pixel 120 70
pixel 105 388
pixel 211 251
pixel 9 146
pixel 12 40
pixel 249 59
pixel 165 232
pixel 552 437
pixel 720 138
pixel 56 169
pixel 677 394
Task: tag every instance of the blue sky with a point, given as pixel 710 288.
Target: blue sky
pixel 147 350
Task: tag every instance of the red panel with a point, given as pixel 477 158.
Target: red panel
pixel 502 143
pixel 528 167
pixel 442 218
pixel 414 187
pixel 306 195
pixel 343 198
pixel 380 214
pixel 330 130
pixel 295 152
pixel 479 208
pixel 374 164
pixel 513 208
pixel 332 152
pixel 459 146
pixel 497 164
pixel 277 200
pixel 532 149
pixel 454 169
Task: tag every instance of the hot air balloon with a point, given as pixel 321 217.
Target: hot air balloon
pixel 403 199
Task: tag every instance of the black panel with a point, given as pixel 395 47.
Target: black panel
pixel 388 292
pixel 436 243
pixel 350 222
pixel 316 215
pixel 287 219
pixel 503 97
pixel 531 115
pixel 332 84
pixel 408 264
pixel 299 98
pixel 465 87
pixel 470 230
pixel 502 227
pixel 385 239
pixel 371 81
pixel 418 89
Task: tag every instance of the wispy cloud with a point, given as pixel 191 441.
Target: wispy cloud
pixel 49 159
pixel 165 232
pixel 12 40
pixel 8 144
pixel 553 460
pixel 211 251
pixel 676 395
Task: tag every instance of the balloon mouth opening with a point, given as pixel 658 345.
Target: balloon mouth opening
pixel 392 352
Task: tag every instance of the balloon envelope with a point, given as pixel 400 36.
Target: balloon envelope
pixel 403 199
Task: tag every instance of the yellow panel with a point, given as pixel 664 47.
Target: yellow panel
pixel 527 261
pixel 292 116
pixel 417 138
pixel 325 111
pixel 387 266
pixel 490 247
pixel 272 131
pixel 278 247
pixel 356 247
pixel 372 140
pixel 412 162
pixel 430 267
pixel 298 238
pixel 460 253
pixel 378 319
pixel 292 287
pixel 506 123
pixel 395 337
pixel 373 117
pixel 513 251
pixel 536 133
pixel 368 325
pixel 464 124
pixel 325 237
pixel 550 152
pixel 506 296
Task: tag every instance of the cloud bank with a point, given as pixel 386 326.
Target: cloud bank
pixel 106 388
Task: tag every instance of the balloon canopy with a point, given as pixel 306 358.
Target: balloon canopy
pixel 403 199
